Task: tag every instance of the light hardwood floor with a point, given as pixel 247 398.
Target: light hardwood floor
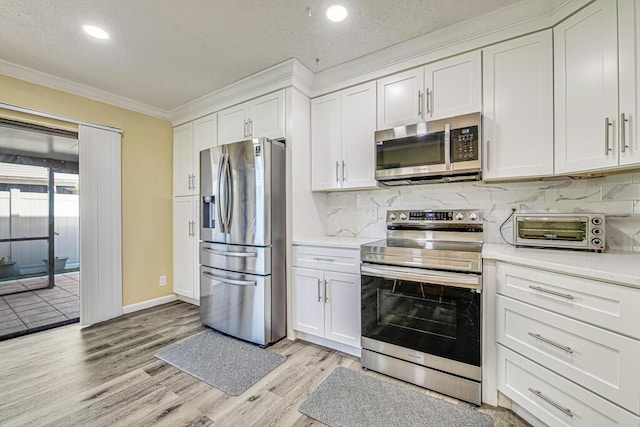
pixel 107 375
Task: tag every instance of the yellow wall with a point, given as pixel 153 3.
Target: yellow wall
pixel 146 181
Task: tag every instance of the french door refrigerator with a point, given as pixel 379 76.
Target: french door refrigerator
pixel 242 240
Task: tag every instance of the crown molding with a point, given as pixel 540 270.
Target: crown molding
pixel 48 80
pixel 516 20
pixel 285 74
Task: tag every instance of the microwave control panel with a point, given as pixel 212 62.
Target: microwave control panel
pixel 464 144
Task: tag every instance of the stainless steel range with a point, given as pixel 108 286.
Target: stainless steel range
pixel 421 301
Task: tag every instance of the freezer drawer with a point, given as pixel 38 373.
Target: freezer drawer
pixel 246 259
pixel 236 304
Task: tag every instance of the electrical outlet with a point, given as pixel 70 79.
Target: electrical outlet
pixel 163 280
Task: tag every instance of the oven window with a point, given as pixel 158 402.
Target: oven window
pixel 422 150
pixel 548 230
pixel 434 319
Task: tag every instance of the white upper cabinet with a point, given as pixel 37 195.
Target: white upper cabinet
pixel 260 117
pixel 586 89
pixel 517 122
pixel 453 86
pixel 326 142
pixel 629 60
pixel 400 99
pixel 342 139
pixel 188 140
pixel 442 89
pixel 183 160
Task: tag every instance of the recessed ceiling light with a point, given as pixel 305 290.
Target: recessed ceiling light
pixel 337 13
pixel 96 32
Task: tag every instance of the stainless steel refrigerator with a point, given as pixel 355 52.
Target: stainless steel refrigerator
pixel 242 233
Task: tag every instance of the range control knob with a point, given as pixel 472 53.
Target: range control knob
pixel 403 216
pixel 459 216
pixel 473 216
pixel 392 216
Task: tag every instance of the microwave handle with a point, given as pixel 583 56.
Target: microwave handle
pixel 447 146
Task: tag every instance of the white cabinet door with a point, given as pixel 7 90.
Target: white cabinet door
pixel 518 107
pixel 308 296
pixel 629 62
pixel 453 86
pixel 586 89
pixel 266 116
pixel 205 135
pixel 183 160
pixel 184 246
pixel 326 135
pixel 342 308
pixel 400 99
pixel 358 127
pixel 233 124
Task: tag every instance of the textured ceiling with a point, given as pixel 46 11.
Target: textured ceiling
pixel 165 53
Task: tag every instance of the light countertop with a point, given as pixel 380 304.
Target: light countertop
pixel 334 242
pixel 610 266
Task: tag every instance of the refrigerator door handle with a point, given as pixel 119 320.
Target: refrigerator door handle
pixel 229 194
pixel 231 254
pixel 231 281
pixel 219 192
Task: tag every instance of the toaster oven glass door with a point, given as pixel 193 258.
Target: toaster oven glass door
pixel 566 231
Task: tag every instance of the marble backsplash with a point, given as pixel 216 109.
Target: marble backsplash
pixel 363 213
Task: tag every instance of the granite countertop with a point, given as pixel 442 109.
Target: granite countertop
pixel 611 266
pixel 334 242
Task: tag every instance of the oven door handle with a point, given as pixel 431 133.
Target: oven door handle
pixel 469 281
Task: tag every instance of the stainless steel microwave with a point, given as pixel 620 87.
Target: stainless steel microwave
pixel 445 150
pixel 569 231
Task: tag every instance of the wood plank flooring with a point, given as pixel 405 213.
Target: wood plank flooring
pixel 107 375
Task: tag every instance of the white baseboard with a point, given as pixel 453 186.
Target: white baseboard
pixel 189 300
pixel 148 304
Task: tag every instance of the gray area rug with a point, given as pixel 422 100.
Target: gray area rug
pixel 223 362
pixel 347 398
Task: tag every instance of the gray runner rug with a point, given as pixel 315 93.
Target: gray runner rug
pixel 223 362
pixel 347 398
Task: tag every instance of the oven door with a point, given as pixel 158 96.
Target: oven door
pixel 432 312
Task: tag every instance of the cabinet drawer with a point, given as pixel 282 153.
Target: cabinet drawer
pixel 602 361
pixel 553 399
pixel 331 259
pixel 608 306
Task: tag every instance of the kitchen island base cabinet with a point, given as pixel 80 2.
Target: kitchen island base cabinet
pixel 327 305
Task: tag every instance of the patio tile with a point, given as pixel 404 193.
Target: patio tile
pixel 63 300
pixel 10 289
pixel 12 330
pixel 43 322
pixel 35 306
pixel 39 311
pixel 6 324
pixel 42 316
pixel 67 304
pixel 7 315
pixel 72 314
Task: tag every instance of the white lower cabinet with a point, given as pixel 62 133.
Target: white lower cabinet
pixel 185 247
pixel 327 305
pixel 567 347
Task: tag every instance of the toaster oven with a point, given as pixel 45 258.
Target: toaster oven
pixel 566 231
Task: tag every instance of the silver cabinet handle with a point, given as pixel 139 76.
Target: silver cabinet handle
pixel 250 128
pixel 246 125
pixel 447 146
pixel 548 341
pixel 337 167
pixel 231 281
pixel 420 104
pixel 343 165
pixel 323 259
pixel 549 291
pixel 607 126
pixel 429 102
pixel 623 136
pixel 487 153
pixel 326 298
pixel 231 254
pixel 319 298
pixel 538 393
pixel 189 182
pixel 189 232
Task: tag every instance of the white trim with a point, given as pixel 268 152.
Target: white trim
pixel 56 117
pixel 285 74
pixel 354 351
pixel 126 309
pixel 188 300
pixel 48 80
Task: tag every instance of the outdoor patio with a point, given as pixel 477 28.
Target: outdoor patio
pixel 36 310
